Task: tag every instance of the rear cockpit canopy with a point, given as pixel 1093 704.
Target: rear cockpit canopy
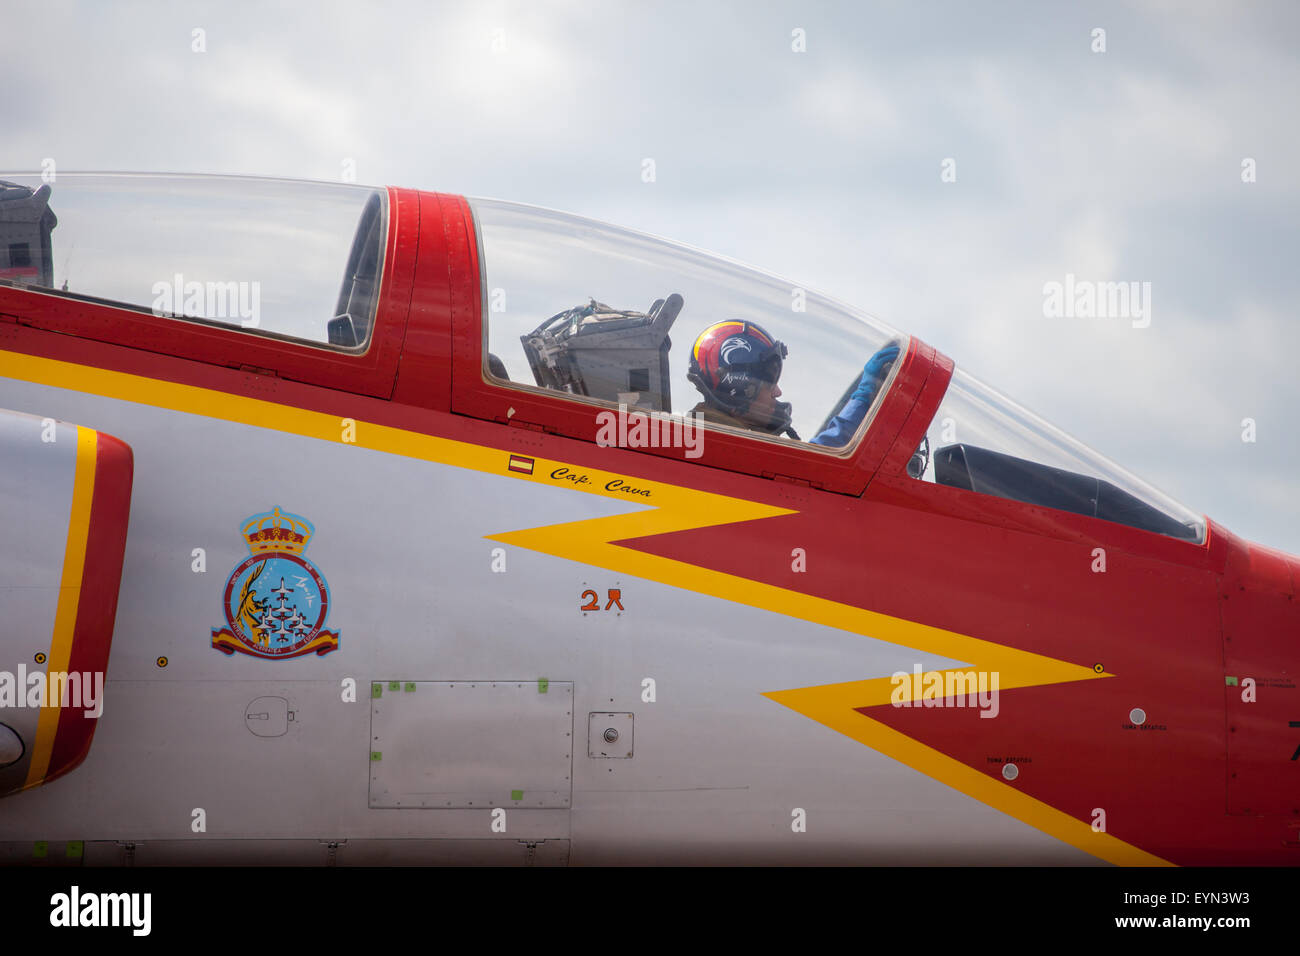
pixel 275 257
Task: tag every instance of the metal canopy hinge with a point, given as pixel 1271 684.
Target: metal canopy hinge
pixel 531 426
pixel 792 480
pixel 255 370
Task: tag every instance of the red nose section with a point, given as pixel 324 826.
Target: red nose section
pixel 1261 657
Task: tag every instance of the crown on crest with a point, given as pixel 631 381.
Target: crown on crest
pixel 277 531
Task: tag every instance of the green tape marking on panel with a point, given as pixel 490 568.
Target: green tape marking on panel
pixel 376 689
pixel 76 848
pixel 542 685
pixel 410 686
pixel 516 794
pixel 41 849
pixel 394 685
pixel 1230 681
pixel 376 755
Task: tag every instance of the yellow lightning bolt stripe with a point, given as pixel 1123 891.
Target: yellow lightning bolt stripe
pixel 835 705
pixel 674 508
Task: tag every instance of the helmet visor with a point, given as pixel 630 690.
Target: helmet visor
pixel 768 368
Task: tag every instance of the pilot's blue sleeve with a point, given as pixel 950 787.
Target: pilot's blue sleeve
pixel 844 424
pixel 848 418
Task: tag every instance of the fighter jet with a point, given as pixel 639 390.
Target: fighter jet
pixel 355 526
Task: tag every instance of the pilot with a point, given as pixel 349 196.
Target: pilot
pixel 736 366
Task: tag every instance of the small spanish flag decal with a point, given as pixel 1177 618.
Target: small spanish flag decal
pixel 520 463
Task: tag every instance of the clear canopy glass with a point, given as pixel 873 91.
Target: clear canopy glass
pixel 278 257
pixel 598 313
pixel 983 441
pixel 610 315
pixel 592 310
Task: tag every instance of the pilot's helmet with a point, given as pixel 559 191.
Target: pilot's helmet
pixel 730 362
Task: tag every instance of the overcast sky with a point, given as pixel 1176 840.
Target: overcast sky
pixel 823 165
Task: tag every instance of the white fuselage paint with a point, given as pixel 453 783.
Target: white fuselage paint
pixel 717 768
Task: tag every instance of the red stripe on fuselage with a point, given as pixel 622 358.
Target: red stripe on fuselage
pixel 93 633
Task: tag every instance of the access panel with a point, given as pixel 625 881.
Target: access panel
pixel 460 744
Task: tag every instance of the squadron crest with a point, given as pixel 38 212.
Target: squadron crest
pixel 276 601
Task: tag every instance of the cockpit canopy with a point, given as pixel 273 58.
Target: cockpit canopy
pixel 275 257
pixel 607 304
pixel 574 310
pixel 561 301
